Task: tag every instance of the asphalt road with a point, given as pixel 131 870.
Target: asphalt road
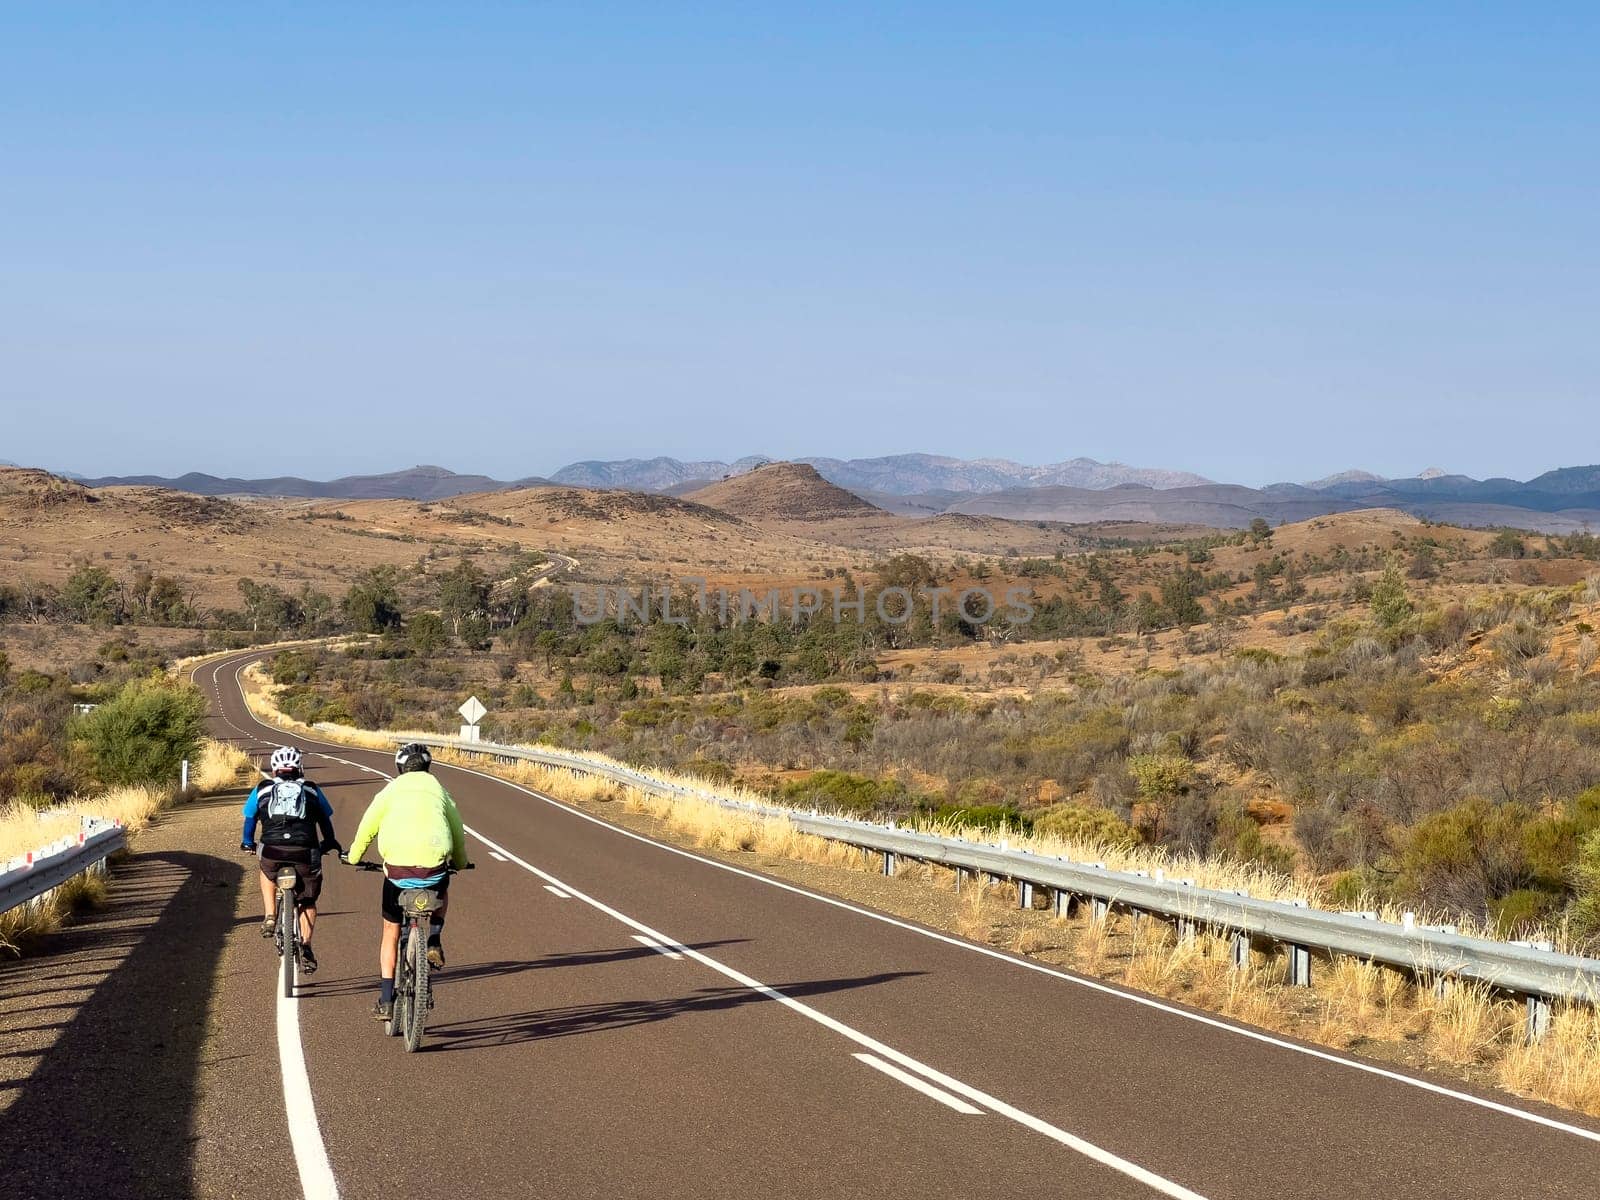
pixel 773 1042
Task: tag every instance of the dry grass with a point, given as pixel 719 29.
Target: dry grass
pixel 221 766
pixel 1564 1068
pixel 1467 1024
pixel 1352 1003
pixel 23 926
pixel 23 829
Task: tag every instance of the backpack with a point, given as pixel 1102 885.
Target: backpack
pixel 288 800
pixel 286 815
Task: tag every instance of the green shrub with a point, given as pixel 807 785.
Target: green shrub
pixel 1160 776
pixel 845 792
pixel 1081 823
pixel 1584 875
pixel 999 817
pixel 1522 911
pixel 145 732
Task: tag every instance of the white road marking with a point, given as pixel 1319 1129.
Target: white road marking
pixel 1095 985
pixel 497 857
pixel 656 946
pixel 1088 1149
pixel 554 891
pixel 1150 1002
pixel 921 1085
pixel 310 1155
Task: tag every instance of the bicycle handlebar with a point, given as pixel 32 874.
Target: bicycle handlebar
pixel 366 866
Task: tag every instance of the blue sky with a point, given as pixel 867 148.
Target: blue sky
pixel 1258 241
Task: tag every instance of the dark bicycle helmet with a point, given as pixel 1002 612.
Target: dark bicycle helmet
pixel 413 756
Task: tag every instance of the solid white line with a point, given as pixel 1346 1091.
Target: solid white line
pixel 1150 1002
pixel 305 1136
pixel 1094 985
pixel 656 946
pixel 310 1155
pixel 497 857
pixel 921 1085
pixel 554 891
pixel 1086 1148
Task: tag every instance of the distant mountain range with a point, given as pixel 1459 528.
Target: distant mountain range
pixel 417 483
pixel 895 474
pixel 1562 501
pixel 1076 491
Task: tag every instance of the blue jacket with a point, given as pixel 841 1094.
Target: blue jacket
pixel 281 832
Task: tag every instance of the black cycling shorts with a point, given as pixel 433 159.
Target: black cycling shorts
pixel 392 894
pixel 307 863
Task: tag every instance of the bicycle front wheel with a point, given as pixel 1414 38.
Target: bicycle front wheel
pixel 417 1007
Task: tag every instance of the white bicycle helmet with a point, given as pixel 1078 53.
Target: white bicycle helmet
pixel 412 757
pixel 285 758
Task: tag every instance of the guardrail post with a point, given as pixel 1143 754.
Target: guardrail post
pixel 1063 903
pixel 1100 906
pixel 888 862
pixel 1239 944
pixel 1024 894
pixel 1538 1023
pixel 1299 958
pixel 1185 922
pixel 1538 1007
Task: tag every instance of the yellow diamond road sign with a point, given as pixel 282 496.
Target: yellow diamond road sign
pixel 472 711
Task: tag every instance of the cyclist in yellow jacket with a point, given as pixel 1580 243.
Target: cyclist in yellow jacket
pixel 419 833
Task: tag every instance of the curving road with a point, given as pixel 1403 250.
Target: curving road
pixel 622 1018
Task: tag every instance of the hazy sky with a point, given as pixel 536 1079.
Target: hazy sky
pixel 1258 241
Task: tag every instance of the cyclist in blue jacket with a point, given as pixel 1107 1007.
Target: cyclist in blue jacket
pixel 291 811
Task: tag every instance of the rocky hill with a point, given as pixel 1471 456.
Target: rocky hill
pixel 782 492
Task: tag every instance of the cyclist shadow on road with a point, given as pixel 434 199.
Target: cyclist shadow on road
pixel 544 1024
pixel 328 989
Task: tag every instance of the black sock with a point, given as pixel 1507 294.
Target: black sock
pixel 386 991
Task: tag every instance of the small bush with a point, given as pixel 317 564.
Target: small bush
pixel 1081 823
pixel 145 732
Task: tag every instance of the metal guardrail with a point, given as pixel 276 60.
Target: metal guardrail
pixel 31 875
pixel 1428 952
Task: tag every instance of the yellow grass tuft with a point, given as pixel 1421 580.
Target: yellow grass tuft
pixel 1565 1066
pixel 1467 1023
pixel 221 766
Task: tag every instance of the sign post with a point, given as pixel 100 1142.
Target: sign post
pixel 472 712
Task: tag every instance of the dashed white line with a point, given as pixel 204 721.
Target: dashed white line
pixel 665 945
pixel 1095 985
pixel 1106 1158
pixel 658 947
pixel 921 1085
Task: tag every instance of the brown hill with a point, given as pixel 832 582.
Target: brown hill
pixel 50 526
pixel 782 491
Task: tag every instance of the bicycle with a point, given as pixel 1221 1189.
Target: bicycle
pixel 413 995
pixel 286 924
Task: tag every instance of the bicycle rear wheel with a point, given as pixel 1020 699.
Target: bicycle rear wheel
pixel 288 938
pixel 417 1008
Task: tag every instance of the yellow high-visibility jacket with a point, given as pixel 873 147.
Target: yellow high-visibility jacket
pixel 415 822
